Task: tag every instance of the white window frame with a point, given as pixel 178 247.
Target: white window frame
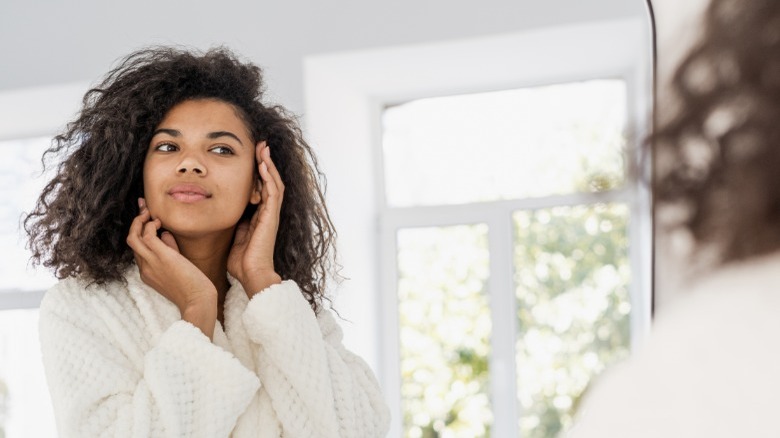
pixel 345 95
pixel 31 113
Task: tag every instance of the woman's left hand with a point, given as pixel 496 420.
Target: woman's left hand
pixel 251 259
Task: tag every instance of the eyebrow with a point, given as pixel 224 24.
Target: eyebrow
pixel 211 135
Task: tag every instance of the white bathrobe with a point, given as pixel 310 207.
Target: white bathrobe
pixel 120 361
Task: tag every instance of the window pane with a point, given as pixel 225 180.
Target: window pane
pixel 445 331
pixel 571 279
pixel 25 406
pixel 20 184
pixel 520 143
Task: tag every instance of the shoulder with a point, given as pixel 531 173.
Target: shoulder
pixel 756 275
pixel 77 292
pixel 692 368
pixel 80 301
pixel 728 307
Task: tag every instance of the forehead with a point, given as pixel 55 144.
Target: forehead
pixel 205 115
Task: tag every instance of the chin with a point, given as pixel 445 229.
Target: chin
pixel 192 228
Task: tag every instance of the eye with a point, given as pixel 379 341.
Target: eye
pixel 222 150
pixel 166 147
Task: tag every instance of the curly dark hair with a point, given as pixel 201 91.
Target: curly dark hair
pixel 718 155
pixel 81 220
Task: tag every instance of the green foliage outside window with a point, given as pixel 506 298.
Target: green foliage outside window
pixel 571 264
pixel 572 277
pixel 445 331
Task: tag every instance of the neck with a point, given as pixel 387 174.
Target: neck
pixel 209 254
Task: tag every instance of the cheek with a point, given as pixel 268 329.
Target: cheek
pixel 247 182
pixel 242 190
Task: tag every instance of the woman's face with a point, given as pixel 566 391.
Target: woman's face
pixel 199 169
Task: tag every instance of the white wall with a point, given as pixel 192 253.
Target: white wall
pixel 53 42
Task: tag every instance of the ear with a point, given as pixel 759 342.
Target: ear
pixel 255 197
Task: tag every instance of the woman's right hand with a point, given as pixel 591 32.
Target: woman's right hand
pixel 162 267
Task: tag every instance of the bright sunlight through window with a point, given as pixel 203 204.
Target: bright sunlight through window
pixel 549 149
pixel 511 144
pixel 25 407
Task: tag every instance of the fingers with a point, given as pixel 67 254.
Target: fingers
pixel 142 237
pixel 150 229
pixel 271 168
pixel 134 236
pixel 158 245
pixel 136 227
pixel 271 193
pixel 168 240
pixel 259 152
pixel 273 186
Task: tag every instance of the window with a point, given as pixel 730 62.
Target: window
pixel 29 117
pixel 542 173
pixel 25 409
pixel 390 225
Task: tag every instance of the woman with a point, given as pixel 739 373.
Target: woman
pixel 189 230
pixel 710 366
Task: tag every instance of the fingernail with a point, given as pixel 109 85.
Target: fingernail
pixel 264 166
pixel 141 203
pixel 267 151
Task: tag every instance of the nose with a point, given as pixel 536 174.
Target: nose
pixel 191 163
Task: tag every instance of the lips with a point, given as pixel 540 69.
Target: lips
pixel 188 193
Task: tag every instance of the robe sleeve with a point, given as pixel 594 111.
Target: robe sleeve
pixel 316 386
pixel 105 382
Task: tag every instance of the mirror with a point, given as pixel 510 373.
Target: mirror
pixel 438 365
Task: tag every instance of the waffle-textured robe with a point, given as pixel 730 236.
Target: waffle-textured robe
pixel 121 362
